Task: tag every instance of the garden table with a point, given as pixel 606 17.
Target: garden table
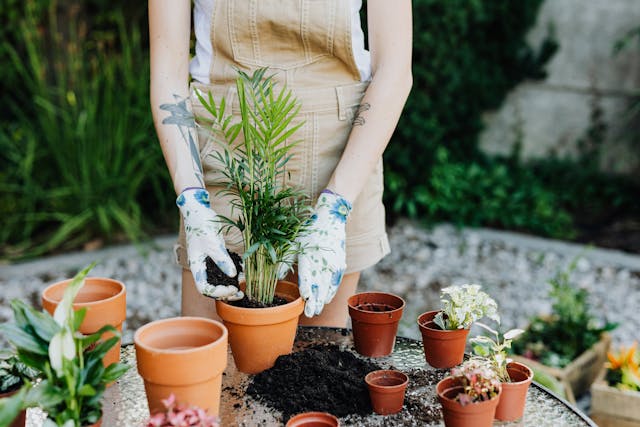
pixel 125 403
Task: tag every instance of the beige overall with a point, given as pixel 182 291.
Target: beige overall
pixel 307 45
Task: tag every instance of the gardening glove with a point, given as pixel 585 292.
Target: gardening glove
pixel 322 260
pixel 203 239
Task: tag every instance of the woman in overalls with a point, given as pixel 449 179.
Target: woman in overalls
pixel 350 99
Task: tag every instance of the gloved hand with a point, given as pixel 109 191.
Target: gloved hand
pixel 203 239
pixel 322 261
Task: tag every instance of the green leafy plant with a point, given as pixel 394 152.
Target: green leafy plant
pixel 270 214
pixel 73 375
pixel 623 368
pixel 478 379
pixel 557 339
pixel 13 373
pixel 463 305
pixel 495 349
pixel 75 155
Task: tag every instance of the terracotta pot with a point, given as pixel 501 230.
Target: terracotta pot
pixel 374 320
pixel 442 348
pixel 313 419
pixel 386 390
pixel 106 303
pixel 477 414
pixel 514 394
pixel 259 335
pixel 21 419
pixel 184 356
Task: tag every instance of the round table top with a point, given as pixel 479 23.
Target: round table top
pixel 125 403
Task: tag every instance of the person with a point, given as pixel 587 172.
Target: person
pixel 351 99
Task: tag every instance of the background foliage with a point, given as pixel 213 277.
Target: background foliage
pixel 79 161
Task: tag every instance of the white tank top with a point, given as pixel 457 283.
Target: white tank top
pixel 201 62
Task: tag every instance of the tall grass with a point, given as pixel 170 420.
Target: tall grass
pixel 79 158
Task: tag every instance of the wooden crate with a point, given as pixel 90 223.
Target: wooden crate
pixel 578 375
pixel 613 407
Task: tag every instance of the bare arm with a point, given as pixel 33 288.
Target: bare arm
pixel 390 35
pixel 169 32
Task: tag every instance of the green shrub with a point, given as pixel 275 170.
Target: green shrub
pixel 78 156
pixel 467 56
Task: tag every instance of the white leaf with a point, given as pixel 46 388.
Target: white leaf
pixel 509 335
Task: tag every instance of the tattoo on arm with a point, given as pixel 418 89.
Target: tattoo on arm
pixel 359 120
pixel 180 116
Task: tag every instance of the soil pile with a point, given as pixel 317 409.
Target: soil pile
pixel 319 378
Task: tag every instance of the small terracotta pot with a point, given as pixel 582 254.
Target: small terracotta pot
pixel 514 394
pixel 386 390
pixel 184 356
pixel 106 303
pixel 313 419
pixel 21 419
pixel 477 414
pixel 442 348
pixel 374 320
pixel 259 335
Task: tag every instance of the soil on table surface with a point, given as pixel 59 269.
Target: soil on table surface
pixel 319 378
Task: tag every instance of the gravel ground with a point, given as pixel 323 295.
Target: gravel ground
pixel 512 268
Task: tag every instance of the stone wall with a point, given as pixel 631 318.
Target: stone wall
pixel 551 115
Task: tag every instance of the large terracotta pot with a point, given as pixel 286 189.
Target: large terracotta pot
pixel 374 320
pixel 386 390
pixel 313 419
pixel 184 356
pixel 514 394
pixel 106 303
pixel 257 336
pixel 477 414
pixel 21 419
pixel 442 348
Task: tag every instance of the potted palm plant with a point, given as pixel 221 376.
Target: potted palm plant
pixel 269 215
pixel 515 377
pixel 73 375
pixel 444 332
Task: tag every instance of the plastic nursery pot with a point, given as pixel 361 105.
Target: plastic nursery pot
pixel 477 414
pixel 106 303
pixel 386 390
pixel 184 356
pixel 259 335
pixel 313 419
pixel 374 320
pixel 442 348
pixel 514 394
pixel 21 419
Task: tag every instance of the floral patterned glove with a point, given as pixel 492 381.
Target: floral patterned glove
pixel 204 239
pixel 322 261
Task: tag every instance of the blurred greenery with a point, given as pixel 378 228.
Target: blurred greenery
pixel 78 154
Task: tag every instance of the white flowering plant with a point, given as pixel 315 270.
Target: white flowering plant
pixel 478 379
pixel 73 375
pixel 463 305
pixel 495 349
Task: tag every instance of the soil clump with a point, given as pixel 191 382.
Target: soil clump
pixel 319 378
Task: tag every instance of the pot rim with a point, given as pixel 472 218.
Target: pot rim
pixel 143 345
pixel 87 282
pixel 302 415
pixel 351 305
pixel 518 366
pixel 391 373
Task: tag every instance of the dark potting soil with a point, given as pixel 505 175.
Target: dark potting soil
pixel 375 307
pixel 248 303
pixel 320 378
pixel 216 277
